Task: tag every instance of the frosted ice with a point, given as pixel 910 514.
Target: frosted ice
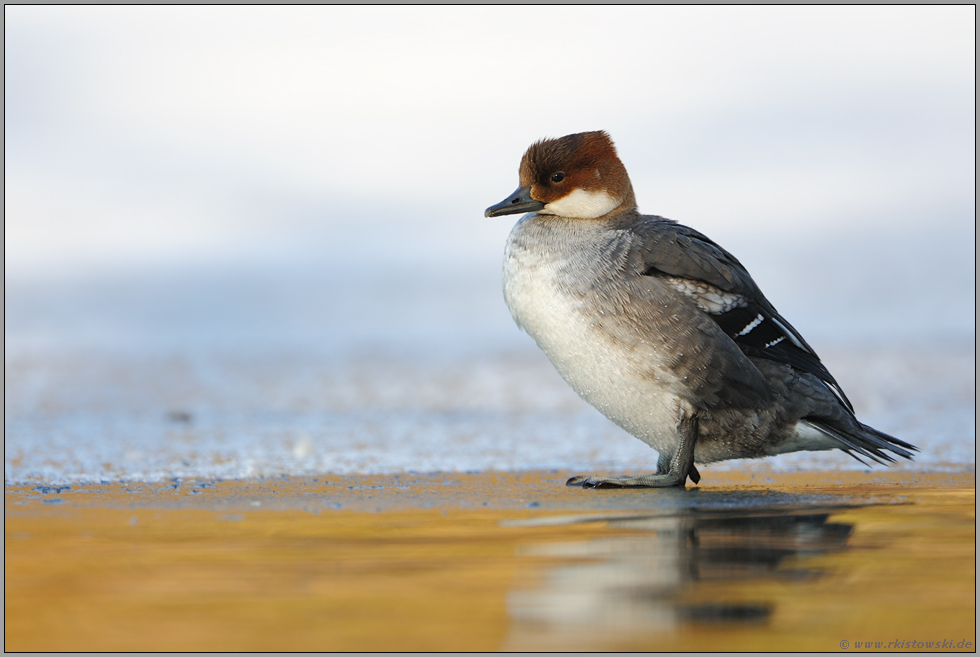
pixel 144 382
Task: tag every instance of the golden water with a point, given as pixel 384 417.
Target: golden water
pixel 797 562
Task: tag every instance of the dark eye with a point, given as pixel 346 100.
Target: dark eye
pixel 558 177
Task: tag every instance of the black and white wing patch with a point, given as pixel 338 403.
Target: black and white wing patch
pixel 757 329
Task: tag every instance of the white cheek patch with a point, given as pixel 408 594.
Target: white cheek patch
pixel 581 204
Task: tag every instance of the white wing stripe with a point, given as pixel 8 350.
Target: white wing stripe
pixel 751 325
pixel 789 334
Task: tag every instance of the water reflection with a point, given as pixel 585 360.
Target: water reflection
pixel 647 580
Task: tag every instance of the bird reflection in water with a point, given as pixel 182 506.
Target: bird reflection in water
pixel 616 587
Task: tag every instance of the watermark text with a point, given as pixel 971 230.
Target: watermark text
pixel 907 644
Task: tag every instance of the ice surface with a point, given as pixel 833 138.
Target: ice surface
pixel 240 375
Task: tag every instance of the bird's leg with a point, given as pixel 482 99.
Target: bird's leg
pixel 670 471
pixel 663 467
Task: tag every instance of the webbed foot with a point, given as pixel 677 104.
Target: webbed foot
pixel 666 480
pixel 671 471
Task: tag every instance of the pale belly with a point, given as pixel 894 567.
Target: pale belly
pixel 622 381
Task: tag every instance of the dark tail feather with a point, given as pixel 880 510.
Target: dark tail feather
pixel 869 443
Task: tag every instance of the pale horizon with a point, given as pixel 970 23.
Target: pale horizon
pixel 182 136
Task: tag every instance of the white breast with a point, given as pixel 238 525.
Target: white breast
pixel 614 378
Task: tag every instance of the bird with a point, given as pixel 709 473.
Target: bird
pixel 661 329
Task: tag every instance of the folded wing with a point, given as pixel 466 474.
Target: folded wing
pixel 721 287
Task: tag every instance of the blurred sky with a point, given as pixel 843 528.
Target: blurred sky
pixel 174 135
